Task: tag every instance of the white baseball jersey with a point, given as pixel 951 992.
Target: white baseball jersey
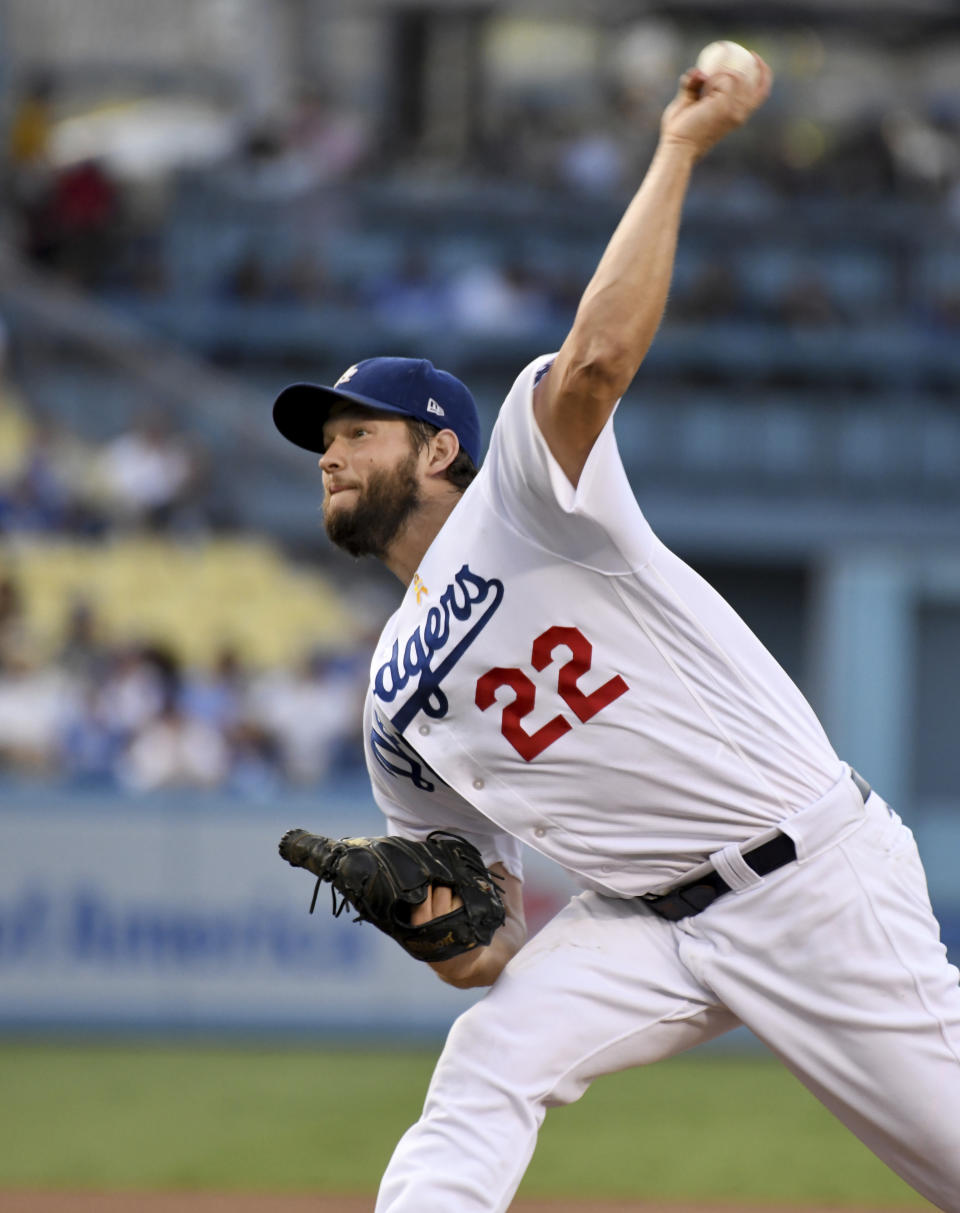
pixel 555 675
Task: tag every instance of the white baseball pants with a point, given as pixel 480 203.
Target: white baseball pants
pixel 834 961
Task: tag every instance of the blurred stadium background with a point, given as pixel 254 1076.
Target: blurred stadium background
pixel 207 199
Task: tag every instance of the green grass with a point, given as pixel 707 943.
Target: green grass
pixel 715 1127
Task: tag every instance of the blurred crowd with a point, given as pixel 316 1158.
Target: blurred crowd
pixel 130 717
pixel 84 219
pixel 108 712
pixel 147 478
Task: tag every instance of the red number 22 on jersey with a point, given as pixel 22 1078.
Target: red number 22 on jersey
pixel 583 706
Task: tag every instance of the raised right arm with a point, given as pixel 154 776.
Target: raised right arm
pixel 623 304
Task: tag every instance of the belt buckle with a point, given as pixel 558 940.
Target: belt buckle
pixel 683 902
pixel 698 896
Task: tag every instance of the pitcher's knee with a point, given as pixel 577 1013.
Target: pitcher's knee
pixel 477 1044
pixel 499 1066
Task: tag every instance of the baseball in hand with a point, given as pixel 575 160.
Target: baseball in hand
pixel 728 57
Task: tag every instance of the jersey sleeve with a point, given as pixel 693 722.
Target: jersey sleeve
pixel 598 523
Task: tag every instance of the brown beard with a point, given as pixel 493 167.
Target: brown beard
pixel 382 509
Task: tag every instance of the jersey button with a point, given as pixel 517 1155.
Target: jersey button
pixel 606 867
pixel 424 730
pixel 478 784
pixel 540 831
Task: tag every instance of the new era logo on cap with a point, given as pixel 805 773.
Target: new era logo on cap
pixel 411 387
pixel 347 375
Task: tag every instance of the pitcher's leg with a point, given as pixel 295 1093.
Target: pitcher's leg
pixel 838 967
pixel 599 989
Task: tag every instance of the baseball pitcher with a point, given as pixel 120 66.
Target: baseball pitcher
pixel 555 677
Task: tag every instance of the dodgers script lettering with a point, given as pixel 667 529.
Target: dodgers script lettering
pixel 464 597
pixel 398 758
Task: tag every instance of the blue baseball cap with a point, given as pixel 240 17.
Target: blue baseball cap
pixel 412 387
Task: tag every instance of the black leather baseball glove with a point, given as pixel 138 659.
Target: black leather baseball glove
pixel 384 878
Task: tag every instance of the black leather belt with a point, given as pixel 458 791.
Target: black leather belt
pixel 695 896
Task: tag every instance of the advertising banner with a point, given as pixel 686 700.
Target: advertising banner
pixel 177 913
pixel 180 914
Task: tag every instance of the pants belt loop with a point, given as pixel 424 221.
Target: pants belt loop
pixel 731 865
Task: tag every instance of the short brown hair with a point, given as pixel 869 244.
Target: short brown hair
pixel 461 472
